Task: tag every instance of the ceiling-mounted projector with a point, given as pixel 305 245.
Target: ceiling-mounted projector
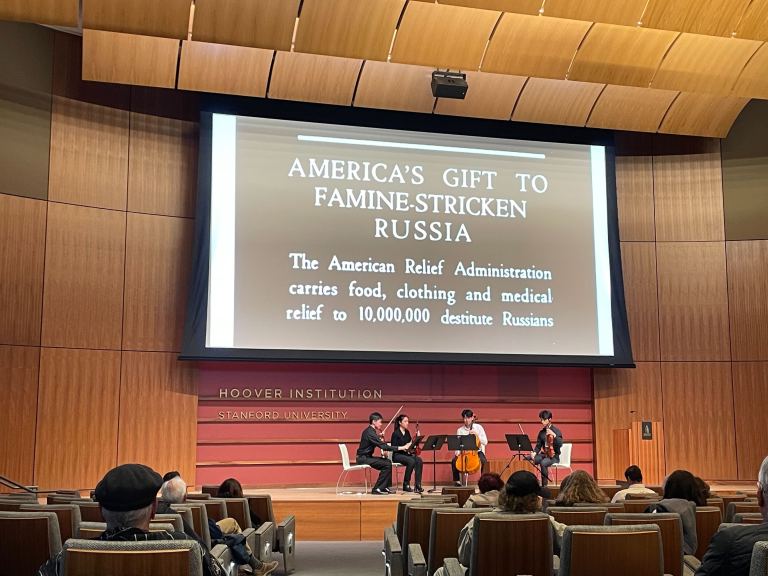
pixel 449 85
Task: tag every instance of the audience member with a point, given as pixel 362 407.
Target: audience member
pixel 682 495
pixel 730 550
pixel 703 490
pixel 174 491
pixel 635 485
pixel 231 488
pixel 489 485
pixel 580 488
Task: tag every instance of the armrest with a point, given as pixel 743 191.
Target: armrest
pixel 691 562
pixel 286 543
pixel 223 555
pixel 452 567
pixel 417 565
pixel 263 536
pixel 393 554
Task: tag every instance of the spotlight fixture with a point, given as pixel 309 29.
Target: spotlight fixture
pixel 449 85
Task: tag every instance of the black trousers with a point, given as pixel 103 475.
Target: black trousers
pixel 411 463
pixel 383 465
pixel 545 463
pixel 457 474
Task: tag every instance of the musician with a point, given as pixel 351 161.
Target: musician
pixel 470 427
pixel 400 437
pixel 372 438
pixel 540 456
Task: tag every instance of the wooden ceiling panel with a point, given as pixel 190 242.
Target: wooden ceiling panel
pixel 129 59
pixel 631 108
pixel 444 36
pixel 169 18
pixel 754 24
pixel 365 31
pixel 563 102
pixel 489 96
pixel 256 23
pixel 697 63
pixel 55 12
pixel 623 55
pixel 314 78
pixel 518 6
pixel 702 115
pixel 534 46
pixel 713 17
pixel 224 69
pixel 395 87
pixel 625 12
pixel 753 82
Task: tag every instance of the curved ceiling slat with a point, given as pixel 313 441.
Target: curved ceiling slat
pixel 624 12
pixel 630 108
pixel 713 17
pixel 754 24
pixel 314 78
pixel 365 31
pixel 489 96
pixel 534 46
pixel 53 12
pixel 702 115
pixel 395 87
pixel 753 82
pixel 518 6
pixel 621 55
pixel 429 36
pixel 169 18
pixel 563 102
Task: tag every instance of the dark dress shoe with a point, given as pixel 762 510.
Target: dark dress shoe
pixel 419 489
pixel 457 484
pixel 407 488
pixel 380 491
pixel 389 490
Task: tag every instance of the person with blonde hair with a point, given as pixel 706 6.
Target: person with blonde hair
pixel 581 488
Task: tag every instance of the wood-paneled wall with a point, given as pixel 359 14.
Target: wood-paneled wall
pixel 697 313
pixel 93 286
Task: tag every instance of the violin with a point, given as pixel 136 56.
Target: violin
pixel 381 433
pixel 549 448
pixel 415 450
pixel 468 462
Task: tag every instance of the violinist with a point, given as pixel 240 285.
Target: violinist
pixel 470 427
pixel 548 444
pixel 411 460
pixel 372 438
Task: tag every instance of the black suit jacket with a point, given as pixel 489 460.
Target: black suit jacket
pixel 730 550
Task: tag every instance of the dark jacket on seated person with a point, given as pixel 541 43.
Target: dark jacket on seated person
pixel 730 550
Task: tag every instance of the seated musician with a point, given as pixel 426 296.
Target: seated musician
pixel 371 439
pixel 548 445
pixel 400 437
pixel 469 427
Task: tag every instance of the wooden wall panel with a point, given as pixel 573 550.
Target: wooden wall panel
pixel 162 174
pixel 750 404
pixel 18 411
pixel 395 87
pixel 688 192
pixel 55 12
pixel 634 193
pixel 313 78
pixel 748 299
pixel 714 17
pixel 224 69
pixel 693 301
pixel 640 291
pixel 490 96
pixel 697 114
pixel 89 154
pixel 158 393
pixel 22 252
pixel 698 412
pixel 169 18
pixel 84 265
pixel 631 108
pixel 76 417
pixel 556 102
pixel 622 396
pixel 157 266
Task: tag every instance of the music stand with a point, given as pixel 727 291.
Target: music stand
pixel 433 443
pixel 463 443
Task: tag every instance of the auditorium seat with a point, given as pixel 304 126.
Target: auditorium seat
pixel 393 554
pixel 462 493
pixel 432 502
pixel 654 497
pixel 217 509
pixel 583 515
pixel 65 498
pixel 173 519
pixel 27 540
pixel 717 502
pixel 285 541
pixel 708 519
pixel 637 506
pixel 609 491
pixel 20 495
pixel 346 468
pixel 91 530
pixel 199 519
pixel 417 520
pixel 261 540
pixel 610 550
pixel 238 509
pixel 671 528
pixel 212 489
pixel 759 564
pixel 11 504
pixel 727 499
pixel 611 507
pixel 445 527
pixel 748 518
pixel 198 496
pixel 68 516
pixel 89 511
pixel 739 508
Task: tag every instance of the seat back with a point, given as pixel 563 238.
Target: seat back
pixel 151 558
pixel 445 526
pixel 198 496
pixel 748 518
pixel 239 509
pixel 740 508
pixel 212 489
pixel 261 505
pixel 344 456
pixel 631 496
pixel 607 550
pixel 759 565
pixel 89 511
pixel 400 517
pixel 637 506
pixel 462 493
pixel 68 516
pixel 172 519
pixel 91 530
pixel 671 528
pixel 708 520
pixel 11 504
pixel 718 502
pixel 727 498
pixel 581 516
pixel 497 540
pixel 565 455
pixel 216 508
pixel 416 524
pixel 199 519
pixel 65 498
pixel 27 540
pixel 616 507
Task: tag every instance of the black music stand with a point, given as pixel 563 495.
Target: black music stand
pixel 433 443
pixel 521 447
pixel 463 443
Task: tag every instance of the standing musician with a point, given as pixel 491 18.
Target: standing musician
pixel 412 461
pixel 372 438
pixel 548 444
pixel 470 427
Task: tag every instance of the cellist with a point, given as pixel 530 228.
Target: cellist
pixel 470 427
pixel 548 444
pixel 411 460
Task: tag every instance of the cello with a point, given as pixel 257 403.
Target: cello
pixel 468 461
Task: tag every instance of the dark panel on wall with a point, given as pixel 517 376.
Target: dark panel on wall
pixel 18 390
pixel 25 108
pixel 745 175
pixel 748 298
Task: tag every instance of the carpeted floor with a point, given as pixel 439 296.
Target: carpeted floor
pixel 337 559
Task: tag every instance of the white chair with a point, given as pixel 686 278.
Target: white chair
pixel 347 467
pixel 395 466
pixel 565 459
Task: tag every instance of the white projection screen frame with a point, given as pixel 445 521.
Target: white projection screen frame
pixel 341 242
